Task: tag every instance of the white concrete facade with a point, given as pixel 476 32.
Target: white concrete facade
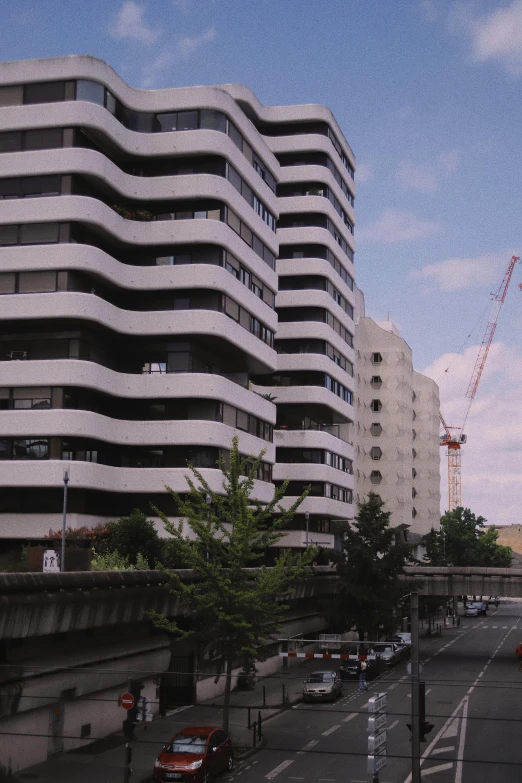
pixel 398 429
pixel 138 288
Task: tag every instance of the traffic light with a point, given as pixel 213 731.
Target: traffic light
pixel 424 726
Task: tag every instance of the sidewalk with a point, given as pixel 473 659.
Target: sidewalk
pixel 102 761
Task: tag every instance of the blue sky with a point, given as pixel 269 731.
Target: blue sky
pixel 428 93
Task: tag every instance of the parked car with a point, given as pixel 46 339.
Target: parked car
pixel 322 686
pixel 195 754
pixel 470 611
pixel 404 643
pixel 389 652
pixel 481 607
pixel 350 670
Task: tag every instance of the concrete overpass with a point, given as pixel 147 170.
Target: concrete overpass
pixel 466 581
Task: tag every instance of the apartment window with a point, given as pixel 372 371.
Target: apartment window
pixel 413 492
pixel 90 91
pixel 376 429
pixel 376 381
pixel 11 96
pixel 376 476
pixel 39 233
pixel 44 92
pixel 376 406
pixel 413 473
pixel 413 512
pixel 413 453
pixel 413 434
pixel 376 358
pixel 30 448
pixel 152 368
pixel 323 526
pixel 375 452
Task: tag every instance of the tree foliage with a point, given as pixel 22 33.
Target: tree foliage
pixel 464 540
pixel 235 613
pixel 369 567
pixel 134 536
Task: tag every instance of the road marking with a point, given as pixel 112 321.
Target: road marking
pixel 494 626
pixel 310 745
pixel 504 627
pixel 331 730
pixel 438 768
pixel 275 772
pixel 447 749
pixel 392 726
pixel 391 687
pixel 350 717
pixel 460 752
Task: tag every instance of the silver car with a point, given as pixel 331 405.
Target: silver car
pixel 389 652
pixel 322 686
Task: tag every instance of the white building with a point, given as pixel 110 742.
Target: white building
pixel 398 426
pixel 138 280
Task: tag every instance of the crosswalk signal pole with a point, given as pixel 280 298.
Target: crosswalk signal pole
pixel 415 705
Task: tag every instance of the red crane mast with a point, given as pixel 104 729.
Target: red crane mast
pixel 453 442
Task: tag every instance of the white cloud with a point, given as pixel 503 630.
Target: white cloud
pixel 190 44
pixel 182 49
pixel 454 274
pixel 397 226
pixel 364 173
pixel 129 23
pixel 492 456
pixel 496 35
pixel 427 177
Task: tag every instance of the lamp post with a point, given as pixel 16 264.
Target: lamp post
pixel 307 520
pixel 64 519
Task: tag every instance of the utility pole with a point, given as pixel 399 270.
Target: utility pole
pixel 307 520
pixel 415 713
pixel 64 518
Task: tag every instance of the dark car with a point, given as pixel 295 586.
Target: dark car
pixel 350 668
pixel 195 754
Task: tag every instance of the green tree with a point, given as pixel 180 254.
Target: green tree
pixel 369 567
pixel 113 561
pixel 133 536
pixel 235 613
pixel 434 548
pixel 464 540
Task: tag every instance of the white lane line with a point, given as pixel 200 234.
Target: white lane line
pixel 448 749
pixel 310 745
pixel 460 752
pixel 494 626
pixel 438 768
pixel 391 687
pixel 392 725
pixel 275 772
pixel 331 730
pixel 350 717
pixel 504 627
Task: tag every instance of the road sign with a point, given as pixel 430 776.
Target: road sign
pixel 376 741
pixel 376 762
pixel 330 641
pixel 51 561
pixel 127 701
pixel 377 722
pixel 377 703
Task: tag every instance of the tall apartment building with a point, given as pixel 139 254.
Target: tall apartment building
pixel 138 290
pixel 398 425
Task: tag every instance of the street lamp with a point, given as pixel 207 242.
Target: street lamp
pixel 64 519
pixel 307 519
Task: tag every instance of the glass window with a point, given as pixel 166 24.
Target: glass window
pixel 187 120
pixel 43 139
pixel 229 415
pixel 213 120
pixel 246 234
pixel 234 178
pixel 110 102
pixel 38 233
pixel 30 448
pixel 8 235
pixel 11 96
pixel 248 152
pixel 167 122
pixel 7 283
pixel 242 420
pixel 36 282
pixel 231 308
pixel 44 92
pixel 235 135
pixel 10 141
pixel 233 221
pixel 90 91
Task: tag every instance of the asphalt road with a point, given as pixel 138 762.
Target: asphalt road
pixel 473 698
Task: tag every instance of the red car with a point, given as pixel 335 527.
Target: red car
pixel 195 754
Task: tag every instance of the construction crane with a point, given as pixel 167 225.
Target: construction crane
pixel 454 437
